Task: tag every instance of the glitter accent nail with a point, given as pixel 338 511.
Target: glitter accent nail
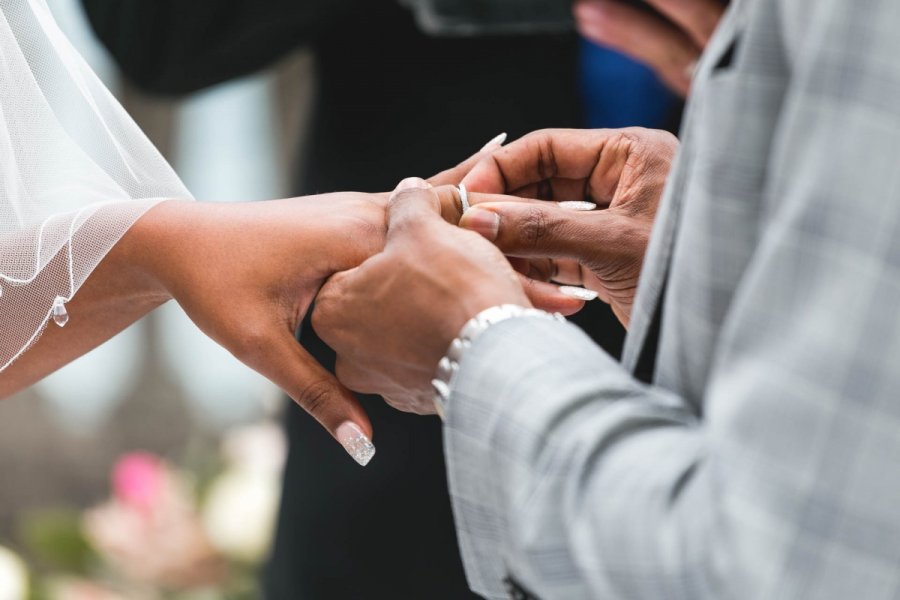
pixel 577 292
pixel 355 442
pixel 577 205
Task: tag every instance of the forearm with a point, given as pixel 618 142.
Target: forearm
pixel 120 291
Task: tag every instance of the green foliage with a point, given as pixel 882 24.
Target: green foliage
pixel 55 540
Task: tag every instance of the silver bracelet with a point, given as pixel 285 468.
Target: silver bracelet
pixel 449 365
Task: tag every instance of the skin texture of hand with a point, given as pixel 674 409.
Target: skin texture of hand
pixel 623 171
pixel 393 318
pixel 670 44
pixel 247 273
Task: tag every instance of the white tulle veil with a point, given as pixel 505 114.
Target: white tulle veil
pixel 75 173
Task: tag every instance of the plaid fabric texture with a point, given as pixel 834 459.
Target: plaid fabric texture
pixel 764 459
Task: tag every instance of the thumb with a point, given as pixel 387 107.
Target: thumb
pixel 413 204
pixel 542 229
pixel 290 367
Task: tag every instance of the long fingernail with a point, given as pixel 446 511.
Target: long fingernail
pixel 577 205
pixel 485 222
pixel 494 144
pixel 412 183
pixel 355 442
pixel 579 293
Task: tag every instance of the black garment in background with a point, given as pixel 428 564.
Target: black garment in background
pixel 391 103
pixel 394 103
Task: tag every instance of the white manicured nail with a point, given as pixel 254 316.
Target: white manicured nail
pixel 579 293
pixel 577 205
pixel 356 443
pixel 495 143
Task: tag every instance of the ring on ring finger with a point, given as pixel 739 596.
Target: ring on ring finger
pixel 463 198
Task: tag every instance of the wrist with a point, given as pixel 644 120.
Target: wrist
pixel 474 295
pixel 146 254
pixel 448 367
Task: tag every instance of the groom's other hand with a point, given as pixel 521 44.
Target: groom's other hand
pixel 669 41
pixel 622 171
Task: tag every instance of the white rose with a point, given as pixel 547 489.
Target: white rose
pixel 13 576
pixel 240 511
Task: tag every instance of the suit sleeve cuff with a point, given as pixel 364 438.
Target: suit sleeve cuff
pixel 493 418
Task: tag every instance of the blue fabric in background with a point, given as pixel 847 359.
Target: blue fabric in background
pixel 619 92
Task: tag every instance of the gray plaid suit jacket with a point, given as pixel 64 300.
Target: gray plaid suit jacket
pixel 763 460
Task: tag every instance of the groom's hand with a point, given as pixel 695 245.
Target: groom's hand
pixel 392 319
pixel 623 172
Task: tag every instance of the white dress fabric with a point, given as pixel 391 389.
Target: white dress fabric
pixel 75 173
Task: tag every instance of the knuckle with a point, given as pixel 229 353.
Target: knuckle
pixel 534 227
pixel 315 396
pixel 630 138
pixel 538 136
pixel 547 166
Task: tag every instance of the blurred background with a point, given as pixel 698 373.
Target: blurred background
pixel 160 387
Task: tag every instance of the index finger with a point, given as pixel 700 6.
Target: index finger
pixel 538 156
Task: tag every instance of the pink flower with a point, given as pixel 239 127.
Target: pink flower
pixel 150 530
pixel 138 480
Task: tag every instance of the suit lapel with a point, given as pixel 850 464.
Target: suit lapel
pixel 639 355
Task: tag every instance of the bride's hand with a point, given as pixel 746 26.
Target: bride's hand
pixel 246 275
